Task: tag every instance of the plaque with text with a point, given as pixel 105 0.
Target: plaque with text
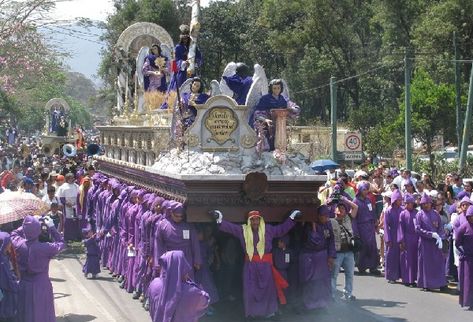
pixel 221 122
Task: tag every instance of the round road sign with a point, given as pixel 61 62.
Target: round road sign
pixel 353 142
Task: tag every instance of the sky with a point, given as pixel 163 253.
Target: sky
pixel 92 9
pixel 84 48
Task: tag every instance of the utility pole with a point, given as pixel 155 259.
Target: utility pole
pixel 466 125
pixel 457 92
pixel 333 117
pixel 408 114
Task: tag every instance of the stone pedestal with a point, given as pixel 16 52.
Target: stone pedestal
pixel 280 137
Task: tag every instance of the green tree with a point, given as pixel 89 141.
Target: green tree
pixel 433 107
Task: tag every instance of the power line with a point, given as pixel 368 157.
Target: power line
pixel 442 60
pixel 348 78
pixel 74 36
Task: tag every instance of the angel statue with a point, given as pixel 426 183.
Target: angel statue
pixel 260 103
pixel 192 93
pixel 155 70
pixel 236 81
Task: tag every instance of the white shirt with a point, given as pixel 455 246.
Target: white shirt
pixel 49 201
pixel 69 191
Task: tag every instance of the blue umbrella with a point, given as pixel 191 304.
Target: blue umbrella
pixel 323 165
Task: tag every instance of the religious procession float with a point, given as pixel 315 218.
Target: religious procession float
pixel 225 147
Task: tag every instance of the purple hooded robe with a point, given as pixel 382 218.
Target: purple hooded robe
pixel 464 242
pixel 410 239
pixel 364 227
pixel 178 236
pixel 431 263
pixel 123 233
pixel 130 227
pixel 392 252
pixel 172 297
pixel 140 265
pixel 92 250
pixel 204 276
pixel 313 265
pixel 148 244
pixel 35 297
pixel 8 281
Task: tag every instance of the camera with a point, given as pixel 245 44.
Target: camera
pixel 44 237
pixel 335 195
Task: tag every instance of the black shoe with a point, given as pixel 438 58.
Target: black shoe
pixel 375 272
pixel 120 279
pixel 361 273
pixel 391 282
pixel 136 295
pixel 444 289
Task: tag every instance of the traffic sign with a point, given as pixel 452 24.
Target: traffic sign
pixel 353 142
pixel 353 156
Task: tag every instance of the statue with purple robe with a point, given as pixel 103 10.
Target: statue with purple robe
pixel 155 70
pixel 190 99
pixel 261 119
pixel 240 83
pixel 11 134
pixel 55 118
pixel 181 59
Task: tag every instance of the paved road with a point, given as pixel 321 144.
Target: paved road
pixel 81 300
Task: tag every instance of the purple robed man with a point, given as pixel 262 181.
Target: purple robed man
pixel 140 239
pixel 150 223
pixel 130 227
pixel 408 241
pixel 173 296
pixel 92 250
pixel 8 281
pixel 392 251
pixel 283 256
pixel 431 263
pixel 464 243
pixel 106 228
pixel 364 226
pixel 203 276
pixel 173 233
pixel 35 297
pixel 316 261
pixel 123 234
pixel 262 283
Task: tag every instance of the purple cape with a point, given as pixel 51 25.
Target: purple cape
pixel 172 298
